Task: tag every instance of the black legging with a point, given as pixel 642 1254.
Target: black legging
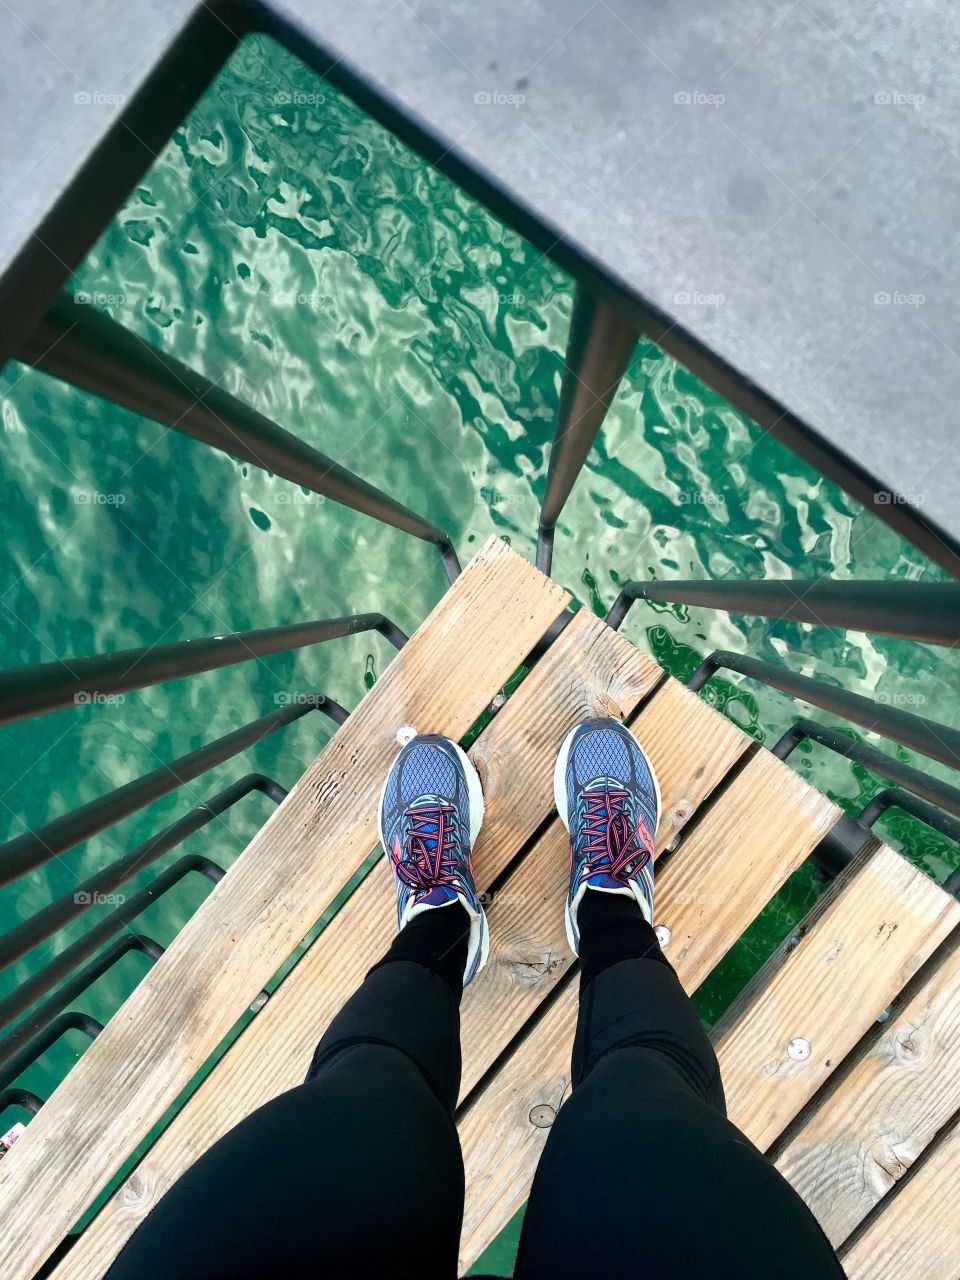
pixel 358 1172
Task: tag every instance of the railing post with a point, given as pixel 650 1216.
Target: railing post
pixel 598 351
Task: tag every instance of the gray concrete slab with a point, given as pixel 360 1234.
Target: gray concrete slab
pixel 780 182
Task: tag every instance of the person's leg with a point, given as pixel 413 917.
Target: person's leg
pixel 642 1174
pixel 358 1171
pixel 327 1178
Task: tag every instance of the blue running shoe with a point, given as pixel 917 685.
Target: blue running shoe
pixel 431 809
pixel 609 800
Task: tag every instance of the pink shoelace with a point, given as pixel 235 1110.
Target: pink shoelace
pixel 612 848
pixel 428 859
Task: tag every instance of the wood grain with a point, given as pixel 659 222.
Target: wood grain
pixel 915 1236
pixel 861 946
pixel 289 873
pixel 896 1094
pixel 589 670
pixel 755 834
pixel 529 952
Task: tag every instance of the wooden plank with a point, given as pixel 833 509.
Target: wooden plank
pixel 859 947
pixel 288 874
pixel 590 670
pixel 529 953
pixel 896 1094
pixel 757 832
pixel 917 1236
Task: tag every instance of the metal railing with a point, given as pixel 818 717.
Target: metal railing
pixel 85 348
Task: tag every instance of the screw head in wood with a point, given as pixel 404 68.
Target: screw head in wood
pixel 542 1115
pixel 799 1049
pixel 664 935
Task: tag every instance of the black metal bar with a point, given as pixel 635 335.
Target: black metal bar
pixel 31 691
pixel 905 775
pixel 36 1048
pixel 897 798
pixel 82 346
pixel 598 351
pixel 925 611
pixel 20 1098
pixel 952 883
pixel 39 983
pixel 12 1045
pixel 17 942
pixel 34 848
pixel 838 848
pixel 937 741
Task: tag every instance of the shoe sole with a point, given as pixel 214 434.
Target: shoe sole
pixel 560 799
pixel 476 809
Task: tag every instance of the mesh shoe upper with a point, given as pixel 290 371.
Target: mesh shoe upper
pixel 429 813
pixel 609 800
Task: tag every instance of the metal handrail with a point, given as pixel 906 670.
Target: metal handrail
pixel 934 740
pixel 18 941
pixel 23 1033
pixel 922 784
pixel 39 983
pixel 925 611
pixel 37 690
pixel 34 848
pixel 84 347
pixel 897 798
pixel 23 1098
pixel 27 1056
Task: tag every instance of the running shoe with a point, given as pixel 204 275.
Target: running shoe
pixel 431 809
pixel 609 800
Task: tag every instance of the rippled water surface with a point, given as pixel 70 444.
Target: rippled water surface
pixel 288 248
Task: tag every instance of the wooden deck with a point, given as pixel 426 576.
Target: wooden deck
pixel 870 1104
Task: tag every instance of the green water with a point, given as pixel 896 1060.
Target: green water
pixel 289 249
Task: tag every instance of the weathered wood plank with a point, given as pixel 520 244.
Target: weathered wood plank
pixel 529 952
pixel 895 1096
pixel 861 946
pixel 915 1237
pixel 289 873
pixel 757 832
pixel 590 670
